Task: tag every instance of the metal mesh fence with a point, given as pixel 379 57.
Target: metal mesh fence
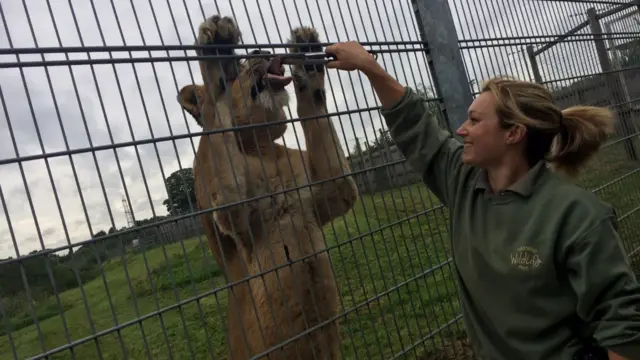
pixel 107 244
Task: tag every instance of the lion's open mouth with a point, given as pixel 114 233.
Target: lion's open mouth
pixel 275 75
pixel 278 82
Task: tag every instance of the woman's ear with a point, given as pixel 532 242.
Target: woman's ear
pixel 516 134
pixel 190 98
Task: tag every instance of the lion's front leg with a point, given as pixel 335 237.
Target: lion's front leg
pixel 228 163
pixel 326 158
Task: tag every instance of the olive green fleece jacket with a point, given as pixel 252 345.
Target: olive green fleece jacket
pixel 530 260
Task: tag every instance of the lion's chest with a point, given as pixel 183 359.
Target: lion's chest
pixel 283 189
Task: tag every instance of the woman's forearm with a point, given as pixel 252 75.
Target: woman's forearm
pixel 388 89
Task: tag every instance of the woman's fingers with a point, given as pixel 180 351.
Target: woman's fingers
pixel 350 55
pixel 334 64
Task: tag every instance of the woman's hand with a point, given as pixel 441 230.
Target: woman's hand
pixel 350 55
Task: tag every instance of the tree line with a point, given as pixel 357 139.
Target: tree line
pixel 83 264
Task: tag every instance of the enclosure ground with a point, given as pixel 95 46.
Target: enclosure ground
pixel 393 301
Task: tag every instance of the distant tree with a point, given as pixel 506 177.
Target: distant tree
pixel 180 186
pixel 99 233
pixel 433 105
pixel 150 220
pixel 630 57
pixel 357 148
pixel 382 141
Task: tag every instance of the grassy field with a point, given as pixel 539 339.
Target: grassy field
pixel 391 297
pixel 616 180
pixel 393 301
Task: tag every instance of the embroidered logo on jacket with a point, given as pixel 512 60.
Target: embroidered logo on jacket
pixel 526 258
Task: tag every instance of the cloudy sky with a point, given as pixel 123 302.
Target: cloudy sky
pixel 64 108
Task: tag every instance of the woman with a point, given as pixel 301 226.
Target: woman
pixel 540 265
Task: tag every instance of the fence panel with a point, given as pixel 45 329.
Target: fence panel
pixel 104 252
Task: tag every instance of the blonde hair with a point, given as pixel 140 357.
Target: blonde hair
pixel 566 139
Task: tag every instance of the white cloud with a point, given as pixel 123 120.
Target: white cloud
pixel 122 102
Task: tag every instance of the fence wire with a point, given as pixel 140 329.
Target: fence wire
pixel 107 245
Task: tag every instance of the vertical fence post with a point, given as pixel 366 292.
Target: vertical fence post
pixel 437 30
pixel 534 64
pixel 624 115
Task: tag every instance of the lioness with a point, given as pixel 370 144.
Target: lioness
pixel 277 230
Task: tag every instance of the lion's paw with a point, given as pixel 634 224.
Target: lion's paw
pixel 218 30
pixel 311 40
pixel 305 35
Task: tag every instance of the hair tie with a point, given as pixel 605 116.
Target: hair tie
pixel 563 132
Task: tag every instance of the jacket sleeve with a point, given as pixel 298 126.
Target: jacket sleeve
pixel 430 150
pixel 608 294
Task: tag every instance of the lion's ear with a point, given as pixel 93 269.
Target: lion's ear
pixel 190 97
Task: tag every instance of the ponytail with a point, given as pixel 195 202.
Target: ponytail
pixel 583 131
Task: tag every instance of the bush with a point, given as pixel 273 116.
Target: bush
pixel 19 314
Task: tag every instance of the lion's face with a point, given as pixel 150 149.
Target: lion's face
pixel 261 83
pixel 258 96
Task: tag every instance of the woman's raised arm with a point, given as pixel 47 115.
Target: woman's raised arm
pixel 429 149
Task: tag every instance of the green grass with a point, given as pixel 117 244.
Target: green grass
pixel 616 180
pixel 391 297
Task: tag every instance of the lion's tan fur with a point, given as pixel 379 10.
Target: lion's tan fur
pixel 273 231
